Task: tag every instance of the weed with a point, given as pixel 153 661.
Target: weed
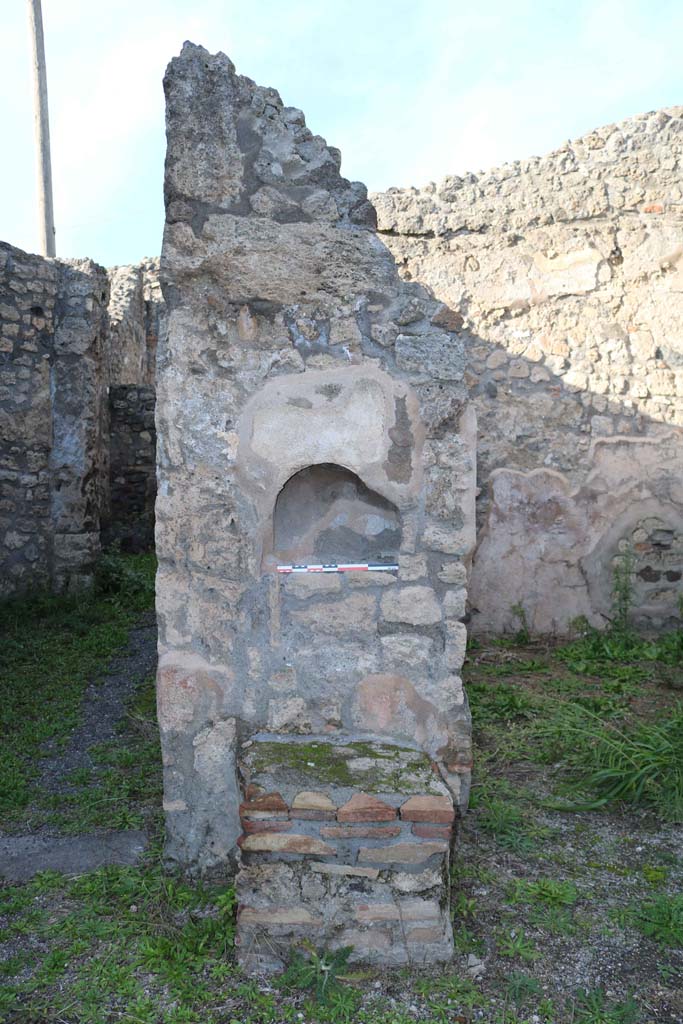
pixel 464 906
pixel 319 972
pixel 654 875
pixel 522 636
pixel 660 919
pixel 554 920
pixel 510 825
pixel 544 890
pixel 622 591
pixel 125 581
pixel 500 703
pixel 667 972
pixel 466 941
pixel 516 944
pixel 520 988
pixel 459 990
pixel 595 1008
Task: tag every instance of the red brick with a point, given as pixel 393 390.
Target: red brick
pixel 432 831
pixel 277 825
pixel 653 208
pixel 362 807
pixel 267 805
pixel 368 832
pixel 437 809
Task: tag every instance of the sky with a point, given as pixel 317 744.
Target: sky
pixel 409 90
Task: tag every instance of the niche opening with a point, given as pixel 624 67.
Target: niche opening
pixel 325 513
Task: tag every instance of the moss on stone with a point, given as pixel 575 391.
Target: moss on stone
pixel 392 769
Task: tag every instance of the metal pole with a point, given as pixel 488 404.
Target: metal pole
pixel 42 129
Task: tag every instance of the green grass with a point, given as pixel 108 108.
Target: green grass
pixel 50 647
pixel 611 726
pixel 140 946
pixel 105 934
pixel 635 762
pixel 123 789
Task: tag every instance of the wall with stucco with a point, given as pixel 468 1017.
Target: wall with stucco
pixel 564 275
pixel 294 346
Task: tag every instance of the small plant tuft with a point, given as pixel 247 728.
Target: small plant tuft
pixel 321 973
pixel 660 919
pixel 523 634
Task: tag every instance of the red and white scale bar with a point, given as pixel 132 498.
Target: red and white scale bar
pixel 339 567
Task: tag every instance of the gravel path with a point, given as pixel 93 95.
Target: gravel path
pixel 104 705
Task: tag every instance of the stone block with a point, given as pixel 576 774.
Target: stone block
pixel 439 356
pixel 406 653
pixel 312 801
pixel 279 916
pixel 402 910
pixel 412 568
pixel 323 868
pixel 274 842
pixel 365 942
pixel 360 832
pixel 425 936
pixel 401 853
pixel 305 585
pixel 455 603
pixel 413 882
pixel 415 605
pixel 351 615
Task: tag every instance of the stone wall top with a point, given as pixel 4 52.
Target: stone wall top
pixel 136 316
pixel 614 169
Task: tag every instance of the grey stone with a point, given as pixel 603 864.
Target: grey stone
pixel 22 857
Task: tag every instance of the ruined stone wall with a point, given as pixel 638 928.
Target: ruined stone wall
pixel 53 419
pixel 565 278
pixel 136 317
pixel 132 436
pixel 309 404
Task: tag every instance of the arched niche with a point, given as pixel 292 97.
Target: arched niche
pixel 325 513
